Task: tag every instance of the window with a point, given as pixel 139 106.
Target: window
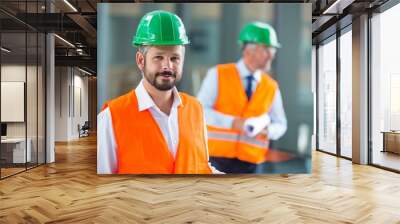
pixel 346 94
pixel 385 89
pixel 327 96
pixel 22 89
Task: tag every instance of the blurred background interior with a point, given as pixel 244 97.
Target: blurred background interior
pixel 213 30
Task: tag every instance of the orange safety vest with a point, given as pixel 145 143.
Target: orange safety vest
pixel 141 147
pixel 232 100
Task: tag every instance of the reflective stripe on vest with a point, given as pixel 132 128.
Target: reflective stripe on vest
pixel 141 147
pixel 232 100
pixel 233 137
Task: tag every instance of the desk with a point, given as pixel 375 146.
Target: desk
pixel 391 141
pixel 15 148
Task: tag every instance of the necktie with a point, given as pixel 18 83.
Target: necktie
pixel 249 79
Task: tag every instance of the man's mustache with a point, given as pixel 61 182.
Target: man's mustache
pixel 166 73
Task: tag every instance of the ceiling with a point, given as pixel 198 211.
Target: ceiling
pixel 76 22
pixel 72 20
pixel 331 15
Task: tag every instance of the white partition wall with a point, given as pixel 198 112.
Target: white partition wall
pixel 71 102
pixel 12 100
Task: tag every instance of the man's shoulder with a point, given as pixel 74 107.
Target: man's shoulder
pixel 269 80
pixel 120 100
pixel 225 65
pixel 221 66
pixel 188 99
pixel 191 105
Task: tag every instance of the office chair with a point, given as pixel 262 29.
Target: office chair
pixel 84 130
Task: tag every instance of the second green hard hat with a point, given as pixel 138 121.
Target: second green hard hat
pixel 160 28
pixel 259 32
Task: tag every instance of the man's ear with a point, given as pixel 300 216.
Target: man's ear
pixel 140 60
pixel 246 52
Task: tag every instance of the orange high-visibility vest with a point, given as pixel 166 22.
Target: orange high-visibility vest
pixel 141 147
pixel 232 100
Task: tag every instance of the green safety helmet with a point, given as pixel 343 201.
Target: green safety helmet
pixel 160 28
pixel 259 32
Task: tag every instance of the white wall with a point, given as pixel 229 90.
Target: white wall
pixel 16 73
pixel 80 100
pixel 71 92
pixel 33 127
pixel 61 103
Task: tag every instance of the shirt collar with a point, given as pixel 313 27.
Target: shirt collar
pixel 145 101
pixel 244 71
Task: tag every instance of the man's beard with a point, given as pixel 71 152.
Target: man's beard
pixel 160 83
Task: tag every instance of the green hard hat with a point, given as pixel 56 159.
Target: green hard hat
pixel 259 32
pixel 160 28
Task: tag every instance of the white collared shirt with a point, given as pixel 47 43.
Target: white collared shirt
pixel 208 95
pixel 106 146
pixel 167 123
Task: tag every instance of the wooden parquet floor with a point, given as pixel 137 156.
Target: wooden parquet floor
pixel 70 191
